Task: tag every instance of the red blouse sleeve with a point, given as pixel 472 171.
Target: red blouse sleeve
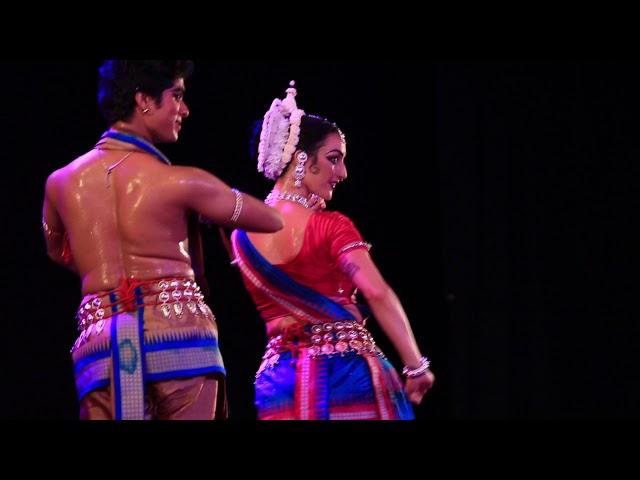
pixel 343 236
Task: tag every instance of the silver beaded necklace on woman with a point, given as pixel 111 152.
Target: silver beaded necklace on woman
pixel 274 196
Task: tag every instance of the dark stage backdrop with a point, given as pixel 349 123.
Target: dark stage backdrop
pixel 538 176
pixel 497 195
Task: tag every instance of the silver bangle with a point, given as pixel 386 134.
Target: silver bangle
pixel 48 230
pixel 416 372
pixel 46 227
pixel 238 208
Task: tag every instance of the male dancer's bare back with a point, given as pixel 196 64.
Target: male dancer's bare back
pixel 132 222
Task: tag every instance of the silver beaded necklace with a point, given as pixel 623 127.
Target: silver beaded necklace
pixel 274 196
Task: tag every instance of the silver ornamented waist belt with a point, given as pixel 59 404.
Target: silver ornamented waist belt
pixel 326 339
pixel 172 295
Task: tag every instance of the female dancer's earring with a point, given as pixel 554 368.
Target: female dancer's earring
pixel 299 176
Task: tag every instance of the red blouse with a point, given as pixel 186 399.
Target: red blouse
pixel 327 236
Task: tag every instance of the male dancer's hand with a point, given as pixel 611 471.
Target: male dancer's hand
pixel 316 202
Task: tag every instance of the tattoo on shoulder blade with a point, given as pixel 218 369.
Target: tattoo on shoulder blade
pixel 350 269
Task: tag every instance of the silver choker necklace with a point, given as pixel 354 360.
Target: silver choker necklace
pixel 274 196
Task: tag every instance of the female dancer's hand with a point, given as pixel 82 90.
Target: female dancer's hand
pixel 417 387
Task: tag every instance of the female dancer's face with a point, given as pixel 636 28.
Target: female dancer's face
pixel 327 169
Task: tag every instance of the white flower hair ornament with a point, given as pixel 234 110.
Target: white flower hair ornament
pixel 280 134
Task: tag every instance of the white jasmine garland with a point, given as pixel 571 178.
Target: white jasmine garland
pixel 280 135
